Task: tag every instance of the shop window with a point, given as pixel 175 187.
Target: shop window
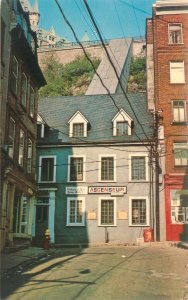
pixel 178 111
pixel 21 148
pixel 175 33
pixel 47 169
pixel 177 72
pixel 21 215
pixel 107 169
pixel 180 153
pixel 76 211
pixel 11 137
pixel 14 75
pixel 179 206
pixel 139 212
pixel 107 212
pixel 76 168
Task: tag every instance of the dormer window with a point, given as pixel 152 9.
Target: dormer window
pixel 122 124
pixel 78 129
pixel 78 125
pixel 122 128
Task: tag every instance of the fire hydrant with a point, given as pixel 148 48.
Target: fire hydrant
pixel 47 239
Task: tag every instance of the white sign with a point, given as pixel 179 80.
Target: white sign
pixel 81 190
pixel 107 189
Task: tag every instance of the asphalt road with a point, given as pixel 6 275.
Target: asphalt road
pixel 116 273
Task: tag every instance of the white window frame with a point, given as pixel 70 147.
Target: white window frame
pixel 21 149
pixel 32 108
pixel 181 33
pixel 121 116
pixel 40 168
pixel 100 167
pixel 180 148
pixel 138 154
pixel 185 117
pixel 29 155
pixel 131 198
pixel 173 77
pixel 68 211
pixel 99 211
pixel 77 118
pixel 84 167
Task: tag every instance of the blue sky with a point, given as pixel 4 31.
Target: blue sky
pixel 115 18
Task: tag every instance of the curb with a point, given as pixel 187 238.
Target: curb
pixel 182 245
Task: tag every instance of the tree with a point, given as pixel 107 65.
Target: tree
pixel 137 78
pixel 70 79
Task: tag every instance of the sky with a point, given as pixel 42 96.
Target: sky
pixel 115 18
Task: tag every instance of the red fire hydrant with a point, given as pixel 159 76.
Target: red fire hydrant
pixel 47 239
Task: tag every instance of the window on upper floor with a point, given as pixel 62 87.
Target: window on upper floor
pixel 122 128
pixel 14 75
pixel 180 153
pixel 21 148
pixel 29 155
pixel 107 212
pixel 138 168
pixel 78 129
pixel 138 211
pixel 179 111
pixel 122 124
pixel 107 168
pixel 78 125
pixel 32 102
pixel 76 211
pixel 47 168
pixel 76 168
pixel 175 33
pixel 24 90
pixel 11 137
pixel 177 72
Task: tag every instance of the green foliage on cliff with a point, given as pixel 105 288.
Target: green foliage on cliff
pixel 137 78
pixel 70 79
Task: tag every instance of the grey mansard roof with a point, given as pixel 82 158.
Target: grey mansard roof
pixel 99 110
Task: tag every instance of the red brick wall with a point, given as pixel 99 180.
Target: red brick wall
pixel 165 92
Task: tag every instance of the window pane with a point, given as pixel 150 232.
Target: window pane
pixel 175 34
pixel 107 168
pixel 78 129
pixel 24 90
pixel 139 212
pixel 76 169
pixel 138 168
pixel 11 137
pixel 122 128
pixel 177 73
pixel 179 111
pixel 32 102
pixel 181 154
pixel 14 75
pixel 107 212
pixel 47 169
pixel 29 156
pixel 21 148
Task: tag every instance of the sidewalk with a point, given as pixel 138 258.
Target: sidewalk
pixel 10 261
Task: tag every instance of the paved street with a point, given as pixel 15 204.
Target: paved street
pixel 105 273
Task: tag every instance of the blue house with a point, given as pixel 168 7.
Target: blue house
pixel 95 169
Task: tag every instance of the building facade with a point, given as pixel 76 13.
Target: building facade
pixel 95 172
pixel 24 78
pixel 167 67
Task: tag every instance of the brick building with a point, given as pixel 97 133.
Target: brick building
pixel 167 70
pixel 21 79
